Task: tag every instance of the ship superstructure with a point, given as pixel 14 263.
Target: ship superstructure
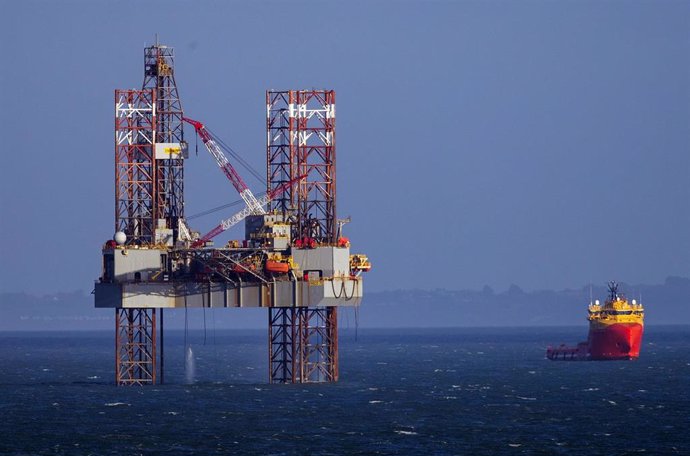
pixel 615 329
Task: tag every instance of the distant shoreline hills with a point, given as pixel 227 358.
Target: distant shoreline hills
pixel 667 303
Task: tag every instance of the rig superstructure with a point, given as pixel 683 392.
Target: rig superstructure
pixel 293 261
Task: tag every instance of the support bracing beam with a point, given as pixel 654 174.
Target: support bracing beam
pixel 162 347
pixel 135 346
pixel 281 347
pixel 303 344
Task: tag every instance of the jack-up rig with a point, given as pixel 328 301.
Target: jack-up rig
pixel 293 261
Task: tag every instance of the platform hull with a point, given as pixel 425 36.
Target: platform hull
pixel 335 292
pixel 615 341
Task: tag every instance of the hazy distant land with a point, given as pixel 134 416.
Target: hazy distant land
pixel 667 303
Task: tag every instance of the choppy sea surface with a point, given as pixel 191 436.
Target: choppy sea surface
pixel 423 391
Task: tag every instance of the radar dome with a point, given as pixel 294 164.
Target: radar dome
pixel 120 238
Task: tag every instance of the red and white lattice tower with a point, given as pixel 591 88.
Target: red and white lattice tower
pixel 300 126
pixel 149 196
pixel 135 211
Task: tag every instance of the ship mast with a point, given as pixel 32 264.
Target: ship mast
pixel 613 291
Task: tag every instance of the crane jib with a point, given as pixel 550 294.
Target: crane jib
pixel 244 213
pixel 227 168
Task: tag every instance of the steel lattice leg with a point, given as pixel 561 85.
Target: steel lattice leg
pixel 303 345
pixel 281 347
pixel 135 346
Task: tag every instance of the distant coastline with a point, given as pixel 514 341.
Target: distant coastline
pixel 667 304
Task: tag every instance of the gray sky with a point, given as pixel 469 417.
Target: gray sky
pixel 545 144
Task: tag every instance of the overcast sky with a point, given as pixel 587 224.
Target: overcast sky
pixel 545 144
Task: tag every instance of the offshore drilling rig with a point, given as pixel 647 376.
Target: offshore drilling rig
pixel 294 260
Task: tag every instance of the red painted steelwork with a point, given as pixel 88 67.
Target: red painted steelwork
pixel 300 128
pixel 135 171
pixel 135 346
pixel 227 168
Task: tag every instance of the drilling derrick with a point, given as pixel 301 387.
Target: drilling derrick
pixel 149 188
pixel 293 259
pixel 159 76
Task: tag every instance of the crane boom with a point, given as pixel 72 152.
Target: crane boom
pixel 253 205
pixel 229 222
pixel 244 213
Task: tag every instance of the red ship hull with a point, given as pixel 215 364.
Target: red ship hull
pixel 616 341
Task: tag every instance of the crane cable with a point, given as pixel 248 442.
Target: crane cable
pixel 215 209
pixel 241 161
pixel 237 157
pixel 219 208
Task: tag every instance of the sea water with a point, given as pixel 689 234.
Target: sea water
pixel 413 391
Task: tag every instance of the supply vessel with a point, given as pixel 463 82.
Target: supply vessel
pixel 615 331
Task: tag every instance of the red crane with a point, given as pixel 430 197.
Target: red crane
pixel 249 199
pixel 244 213
pixel 254 206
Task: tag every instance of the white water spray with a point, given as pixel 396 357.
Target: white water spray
pixel 189 366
